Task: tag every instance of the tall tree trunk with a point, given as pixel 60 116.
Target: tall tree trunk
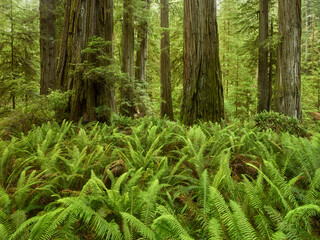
pixel 12 52
pixel 271 60
pixel 288 87
pixel 202 85
pixel 83 20
pixel 142 56
pixel 47 46
pixel 165 73
pixel 127 107
pixel 263 80
pixel 308 23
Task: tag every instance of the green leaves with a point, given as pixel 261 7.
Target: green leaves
pixel 155 179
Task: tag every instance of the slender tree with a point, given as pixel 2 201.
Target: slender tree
pixel 47 46
pixel 288 86
pixel 18 50
pixel 263 80
pixel 84 20
pixel 142 56
pixel 202 85
pixel 127 107
pixel 165 74
pixel 12 39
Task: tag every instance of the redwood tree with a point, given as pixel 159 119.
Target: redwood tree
pixel 127 107
pixel 142 55
pixel 85 19
pixel 165 74
pixel 47 46
pixel 202 85
pixel 288 86
pixel 263 79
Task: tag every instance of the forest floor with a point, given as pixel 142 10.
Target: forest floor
pixel 156 179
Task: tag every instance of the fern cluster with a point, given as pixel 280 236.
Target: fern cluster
pixel 155 179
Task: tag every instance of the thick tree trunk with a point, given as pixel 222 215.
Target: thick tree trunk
pixel 263 80
pixel 202 85
pixel 142 56
pixel 83 20
pixel 47 46
pixel 165 73
pixel 288 87
pixel 127 107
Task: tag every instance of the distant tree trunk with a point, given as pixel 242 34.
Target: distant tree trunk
pixel 83 20
pixel 12 52
pixel 165 74
pixel 288 87
pixel 308 23
pixel 142 55
pixel 263 80
pixel 127 107
pixel 202 85
pixel 47 46
pixel 271 60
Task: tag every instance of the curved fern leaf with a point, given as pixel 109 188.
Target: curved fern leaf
pixel 243 224
pixel 167 226
pixel 98 224
pixel 224 212
pixel 215 230
pixel 302 211
pixel 139 226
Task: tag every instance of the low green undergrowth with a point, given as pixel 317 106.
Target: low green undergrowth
pixel 155 179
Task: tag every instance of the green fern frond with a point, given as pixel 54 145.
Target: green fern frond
pixel 149 199
pixel 23 228
pixel 223 177
pixel 215 230
pixel 274 186
pixel 127 232
pixel 251 192
pixel 5 199
pixel 39 230
pixel 5 161
pixel 94 186
pixel 18 217
pixel 279 236
pixel 224 212
pixel 100 226
pixel 263 225
pixel 281 225
pixel 304 153
pixel 302 212
pixel 4 235
pixel 203 197
pixel 178 165
pixel 133 181
pixel 185 237
pixel 168 226
pixel 139 226
pixel 285 187
pixel 275 216
pixel 120 181
pixel 162 170
pixel 164 210
pixel 313 192
pixel 245 227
